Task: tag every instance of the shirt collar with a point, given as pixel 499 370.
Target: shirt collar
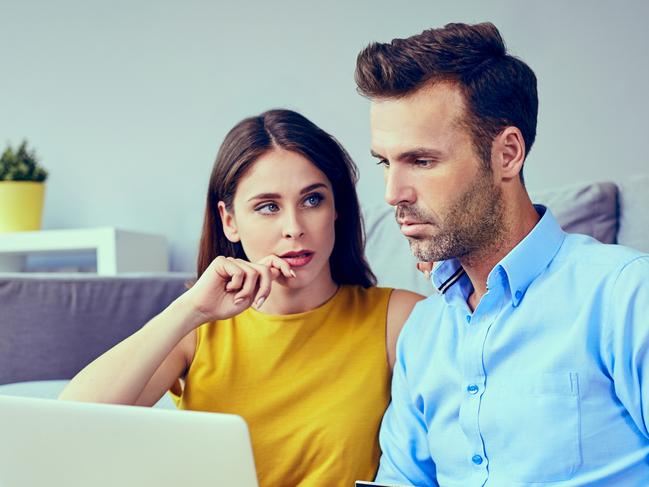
pixel 520 266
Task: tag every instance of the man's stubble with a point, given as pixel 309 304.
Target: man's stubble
pixel 472 224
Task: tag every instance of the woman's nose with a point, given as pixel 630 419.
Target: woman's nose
pixel 293 228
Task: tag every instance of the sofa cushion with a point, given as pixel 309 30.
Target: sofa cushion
pixel 591 209
pixel 634 213
pixel 584 208
pixel 51 326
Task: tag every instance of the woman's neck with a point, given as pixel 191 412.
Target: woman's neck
pixel 284 300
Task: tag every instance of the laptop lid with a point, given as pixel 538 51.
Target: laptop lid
pixel 49 443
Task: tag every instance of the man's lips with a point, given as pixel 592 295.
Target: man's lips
pixel 408 221
pixel 298 258
pixel 411 228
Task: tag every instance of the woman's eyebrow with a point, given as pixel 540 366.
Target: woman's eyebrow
pixel 311 187
pixel 266 196
pixel 277 196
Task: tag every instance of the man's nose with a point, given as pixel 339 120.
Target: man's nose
pixel 398 186
pixel 292 225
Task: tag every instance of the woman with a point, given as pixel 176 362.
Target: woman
pixel 284 325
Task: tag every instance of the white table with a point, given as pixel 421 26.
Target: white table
pixel 117 250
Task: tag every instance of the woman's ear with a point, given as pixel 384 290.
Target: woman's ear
pixel 229 223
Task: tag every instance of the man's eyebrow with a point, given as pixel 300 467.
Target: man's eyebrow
pixel 413 153
pixel 277 196
pixel 420 152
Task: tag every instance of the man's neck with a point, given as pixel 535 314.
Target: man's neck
pixel 479 264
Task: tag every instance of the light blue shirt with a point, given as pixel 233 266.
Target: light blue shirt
pixel 543 384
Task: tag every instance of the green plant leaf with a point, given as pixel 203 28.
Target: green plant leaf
pixel 21 165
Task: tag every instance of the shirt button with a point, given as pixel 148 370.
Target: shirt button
pixel 477 459
pixel 518 295
pixel 468 319
pixel 472 389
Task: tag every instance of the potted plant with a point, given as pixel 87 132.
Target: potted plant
pixel 22 190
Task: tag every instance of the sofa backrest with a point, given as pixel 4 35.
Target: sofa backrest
pixel 634 213
pixel 51 325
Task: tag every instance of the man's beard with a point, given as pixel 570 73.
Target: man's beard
pixel 473 223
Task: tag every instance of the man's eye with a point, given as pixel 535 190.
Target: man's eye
pixel 267 208
pixel 424 162
pixel 383 162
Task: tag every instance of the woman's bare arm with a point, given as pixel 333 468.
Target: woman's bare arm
pixel 399 308
pixel 140 369
pixel 153 358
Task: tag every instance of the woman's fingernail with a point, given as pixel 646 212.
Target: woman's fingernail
pixel 259 302
pixel 292 272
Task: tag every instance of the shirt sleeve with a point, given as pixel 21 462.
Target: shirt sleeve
pixel 629 344
pixel 405 458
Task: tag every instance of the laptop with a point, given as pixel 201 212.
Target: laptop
pixel 50 443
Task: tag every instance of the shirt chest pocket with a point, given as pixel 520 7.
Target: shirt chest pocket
pixel 532 426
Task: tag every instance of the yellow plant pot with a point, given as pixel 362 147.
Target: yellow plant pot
pixel 21 206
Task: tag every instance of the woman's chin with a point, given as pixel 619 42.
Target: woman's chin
pixel 297 282
pixel 308 275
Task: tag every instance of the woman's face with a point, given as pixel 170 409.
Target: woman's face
pixel 284 205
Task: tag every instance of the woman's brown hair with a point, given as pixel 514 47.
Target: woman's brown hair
pixel 288 130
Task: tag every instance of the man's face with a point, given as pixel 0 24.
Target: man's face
pixel 447 202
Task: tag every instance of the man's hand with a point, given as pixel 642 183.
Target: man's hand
pixel 425 267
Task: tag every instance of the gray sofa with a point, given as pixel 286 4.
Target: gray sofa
pixel 53 325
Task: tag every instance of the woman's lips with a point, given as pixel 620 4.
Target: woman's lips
pixel 299 260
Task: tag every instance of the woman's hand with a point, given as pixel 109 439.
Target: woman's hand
pixel 229 286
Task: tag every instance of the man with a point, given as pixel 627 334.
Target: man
pixel 531 367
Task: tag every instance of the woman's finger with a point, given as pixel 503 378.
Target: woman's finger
pixel 279 264
pixel 231 273
pixel 250 283
pixel 266 276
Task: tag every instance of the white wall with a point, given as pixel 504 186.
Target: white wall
pixel 127 102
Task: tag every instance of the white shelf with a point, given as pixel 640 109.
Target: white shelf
pixel 117 250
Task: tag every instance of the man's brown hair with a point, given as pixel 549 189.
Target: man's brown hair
pixel 499 89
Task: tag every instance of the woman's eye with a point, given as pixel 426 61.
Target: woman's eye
pixel 313 200
pixel 267 209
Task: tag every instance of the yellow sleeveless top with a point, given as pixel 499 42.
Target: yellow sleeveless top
pixel 312 386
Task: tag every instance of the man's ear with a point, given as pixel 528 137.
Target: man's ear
pixel 508 153
pixel 229 223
